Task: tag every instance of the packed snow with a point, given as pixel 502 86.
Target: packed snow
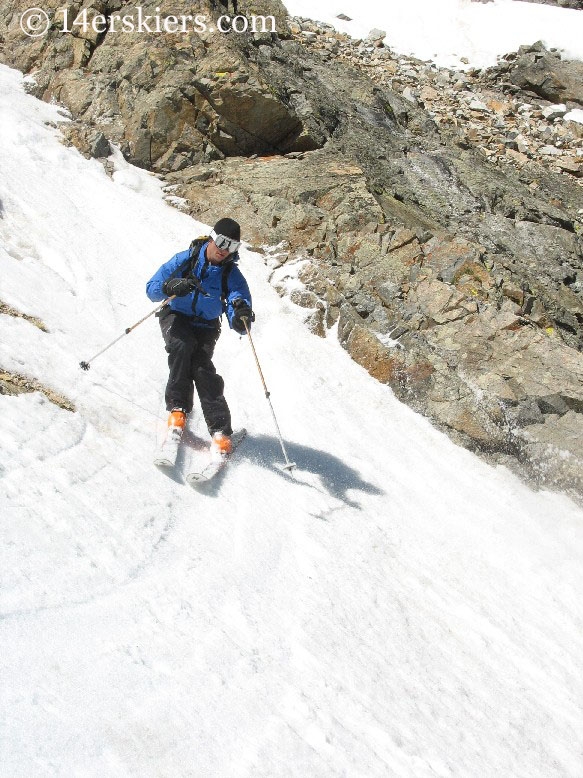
pixel 398 608
pixel 450 31
pixel 575 115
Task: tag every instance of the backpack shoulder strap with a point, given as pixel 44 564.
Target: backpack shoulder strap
pixel 225 281
pixel 194 250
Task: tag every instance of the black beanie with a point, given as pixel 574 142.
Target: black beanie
pixel 229 228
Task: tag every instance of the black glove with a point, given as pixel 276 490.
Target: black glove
pixel 242 311
pixel 178 287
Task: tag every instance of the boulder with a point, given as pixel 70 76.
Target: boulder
pixel 553 450
pixel 541 73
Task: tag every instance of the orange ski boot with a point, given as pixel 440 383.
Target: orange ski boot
pixel 221 444
pixel 166 456
pixel 177 420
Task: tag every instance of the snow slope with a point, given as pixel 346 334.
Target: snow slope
pixel 445 31
pixel 400 609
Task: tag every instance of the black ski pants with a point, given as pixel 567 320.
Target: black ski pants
pixel 190 349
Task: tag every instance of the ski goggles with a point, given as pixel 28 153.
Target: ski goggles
pixel 225 244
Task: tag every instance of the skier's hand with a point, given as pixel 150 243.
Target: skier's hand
pixel 178 287
pixel 242 311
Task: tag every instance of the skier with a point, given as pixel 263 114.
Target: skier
pixel 205 282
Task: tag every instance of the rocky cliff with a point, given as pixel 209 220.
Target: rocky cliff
pixel 434 217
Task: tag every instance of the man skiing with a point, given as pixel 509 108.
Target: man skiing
pixel 204 282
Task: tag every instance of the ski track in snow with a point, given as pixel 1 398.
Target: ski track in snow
pixel 397 608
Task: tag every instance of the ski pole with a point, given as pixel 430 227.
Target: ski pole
pixel 86 365
pixel 288 465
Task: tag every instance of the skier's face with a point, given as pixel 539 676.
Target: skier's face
pixel 214 254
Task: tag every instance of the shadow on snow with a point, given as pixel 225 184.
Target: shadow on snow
pixel 316 469
pixel 333 476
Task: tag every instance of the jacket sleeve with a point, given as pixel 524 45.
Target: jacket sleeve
pixel 170 269
pixel 238 289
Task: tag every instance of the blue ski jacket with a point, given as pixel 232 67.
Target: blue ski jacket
pixel 205 311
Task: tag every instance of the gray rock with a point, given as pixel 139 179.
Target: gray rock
pixel 552 403
pixel 409 95
pixel 388 292
pixel 526 413
pixel 304 298
pixel 539 72
pixel 557 466
pixel 100 146
pixel 552 112
pixel 478 105
pixel 376 35
pixel 572 166
pixel 577 4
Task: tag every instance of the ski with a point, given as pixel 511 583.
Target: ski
pixel 168 451
pixel 204 471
